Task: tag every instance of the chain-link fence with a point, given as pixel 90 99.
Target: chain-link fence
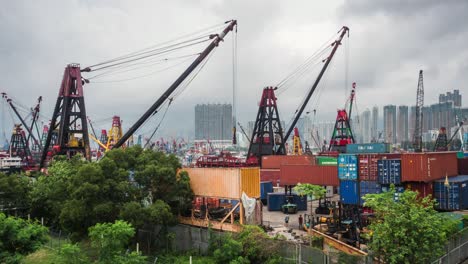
pixel 456 249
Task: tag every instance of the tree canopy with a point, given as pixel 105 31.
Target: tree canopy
pixel 407 229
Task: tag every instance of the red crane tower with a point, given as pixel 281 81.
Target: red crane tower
pixel 69 118
pixel 342 133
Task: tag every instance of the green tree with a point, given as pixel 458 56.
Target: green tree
pixel 318 192
pixel 408 230
pixel 14 192
pixel 19 237
pixel 111 240
pixel 71 254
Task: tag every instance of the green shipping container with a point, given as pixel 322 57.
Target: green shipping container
pixel 327 161
pixel 460 155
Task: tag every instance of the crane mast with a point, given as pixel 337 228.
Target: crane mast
pixel 335 45
pixel 166 96
pixel 417 137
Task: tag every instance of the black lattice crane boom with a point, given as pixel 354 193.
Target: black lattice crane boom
pixel 417 137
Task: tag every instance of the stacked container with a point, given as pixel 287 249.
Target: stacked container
pixel 389 172
pixel 265 188
pixel 453 196
pixel 368 148
pixel 277 200
pixel 348 176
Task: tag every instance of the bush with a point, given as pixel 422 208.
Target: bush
pixel 71 254
pixel 19 237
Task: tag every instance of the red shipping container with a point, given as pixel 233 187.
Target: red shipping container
pixel 427 167
pixel 463 166
pixel 368 170
pixel 423 188
pixel 313 174
pixel 275 161
pixel 270 175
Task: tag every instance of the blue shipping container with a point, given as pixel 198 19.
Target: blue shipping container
pixel 368 148
pixel 366 187
pixel 265 187
pixel 276 200
pixel 453 197
pixel 347 167
pixel 349 192
pixel 389 171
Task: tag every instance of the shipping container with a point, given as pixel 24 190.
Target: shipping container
pixel 460 154
pixel 368 167
pixel 349 192
pixel 327 161
pixel 368 187
pixel 265 187
pixel 275 161
pixel 389 171
pixel 272 175
pixel 426 167
pixel 347 167
pixel 453 197
pixel 225 182
pixel 386 188
pixel 368 148
pixel 423 188
pixel 277 200
pixel 313 174
pixel 463 166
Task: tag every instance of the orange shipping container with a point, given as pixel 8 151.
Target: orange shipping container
pixel 426 167
pixel 313 174
pixel 275 161
pixel 226 183
pixel 272 175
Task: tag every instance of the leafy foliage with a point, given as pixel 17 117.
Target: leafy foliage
pixel 111 241
pixel 407 231
pixel 14 191
pixel 19 237
pixel 252 245
pixel 71 254
pixel 308 189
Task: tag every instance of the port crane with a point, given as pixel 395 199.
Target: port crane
pixel 69 117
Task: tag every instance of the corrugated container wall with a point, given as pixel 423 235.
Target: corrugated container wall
pixel 347 167
pixel 275 161
pixel 368 148
pixel 368 169
pixel 265 188
pixel 429 166
pixel 389 171
pixel 225 182
pixel 313 174
pixel 423 188
pixel 349 192
pixel 368 187
pixel 463 166
pixel 454 197
pixel 272 175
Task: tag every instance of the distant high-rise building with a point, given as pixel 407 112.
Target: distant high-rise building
pixel 402 124
pixel 366 126
pixel 213 121
pixel 374 123
pixel 412 122
pixel 454 97
pixel 390 123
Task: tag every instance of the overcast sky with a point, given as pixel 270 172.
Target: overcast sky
pixel 389 42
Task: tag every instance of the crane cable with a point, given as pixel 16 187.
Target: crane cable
pixel 152 48
pixel 150 63
pixel 147 56
pixel 159 124
pixel 144 75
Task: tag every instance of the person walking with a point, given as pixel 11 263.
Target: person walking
pixel 286 220
pixel 301 221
